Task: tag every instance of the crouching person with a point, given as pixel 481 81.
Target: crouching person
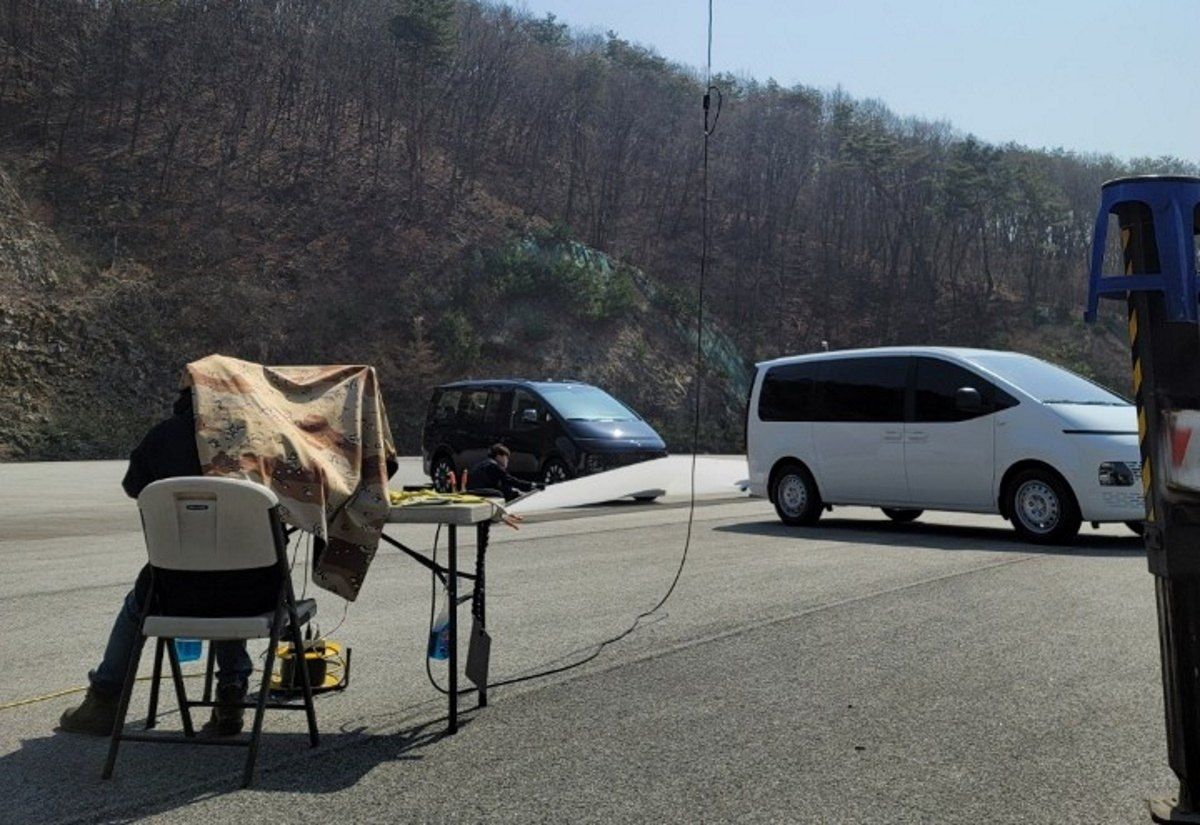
pixel 492 474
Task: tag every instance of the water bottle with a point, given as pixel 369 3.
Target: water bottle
pixel 188 650
pixel 439 634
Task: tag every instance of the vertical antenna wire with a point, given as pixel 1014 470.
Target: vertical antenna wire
pixel 708 65
pixel 698 375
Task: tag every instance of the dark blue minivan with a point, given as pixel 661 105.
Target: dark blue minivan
pixel 556 430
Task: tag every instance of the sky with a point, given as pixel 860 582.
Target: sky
pixel 1120 78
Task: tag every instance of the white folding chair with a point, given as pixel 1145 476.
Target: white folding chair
pixel 196 526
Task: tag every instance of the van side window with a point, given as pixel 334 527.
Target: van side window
pixel 523 401
pixel 497 409
pixel 863 389
pixel 787 393
pixel 939 381
pixel 474 406
pixel 447 406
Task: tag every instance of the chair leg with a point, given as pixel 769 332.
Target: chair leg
pixel 123 706
pixel 302 663
pixel 180 691
pixel 155 682
pixel 256 731
pixel 208 672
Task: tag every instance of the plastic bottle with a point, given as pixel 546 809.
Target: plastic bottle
pixel 439 634
pixel 188 650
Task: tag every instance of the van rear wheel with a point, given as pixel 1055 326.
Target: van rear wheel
pixel 1042 507
pixel 900 515
pixel 797 500
pixel 440 472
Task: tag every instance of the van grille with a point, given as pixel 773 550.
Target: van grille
pixel 598 462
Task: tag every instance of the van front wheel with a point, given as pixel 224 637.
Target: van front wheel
pixel 555 472
pixel 1042 508
pixel 797 500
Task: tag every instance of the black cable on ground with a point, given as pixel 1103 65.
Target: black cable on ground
pixel 710 127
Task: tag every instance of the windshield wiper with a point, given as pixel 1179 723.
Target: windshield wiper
pixel 1088 403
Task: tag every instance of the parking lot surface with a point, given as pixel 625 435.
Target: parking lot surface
pixel 857 671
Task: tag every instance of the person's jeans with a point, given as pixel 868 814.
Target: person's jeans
pixel 233 662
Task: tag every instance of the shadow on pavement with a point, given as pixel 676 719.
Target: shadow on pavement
pixel 936 536
pixel 56 778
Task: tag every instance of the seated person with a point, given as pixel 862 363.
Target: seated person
pixel 169 450
pixel 492 474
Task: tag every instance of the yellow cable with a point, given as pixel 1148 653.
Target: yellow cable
pixel 42 698
pixel 47 696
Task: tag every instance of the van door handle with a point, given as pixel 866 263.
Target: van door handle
pixel 891 435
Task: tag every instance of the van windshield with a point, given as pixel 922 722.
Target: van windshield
pixel 1046 382
pixel 579 402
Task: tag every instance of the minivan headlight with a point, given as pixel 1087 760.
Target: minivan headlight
pixel 1116 474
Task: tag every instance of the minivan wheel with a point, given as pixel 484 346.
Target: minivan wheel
pixel 900 515
pixel 440 473
pixel 1042 508
pixel 797 500
pixel 554 472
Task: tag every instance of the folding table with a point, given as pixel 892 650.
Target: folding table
pixel 455 516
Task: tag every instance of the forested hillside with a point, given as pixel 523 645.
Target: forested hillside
pixel 445 189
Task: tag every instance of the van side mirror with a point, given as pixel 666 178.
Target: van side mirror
pixel 968 399
pixel 529 415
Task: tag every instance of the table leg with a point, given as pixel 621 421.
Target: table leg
pixel 452 592
pixel 478 604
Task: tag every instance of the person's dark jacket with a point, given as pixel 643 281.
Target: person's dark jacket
pixel 489 475
pixel 168 450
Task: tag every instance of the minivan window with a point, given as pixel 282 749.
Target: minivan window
pixel 447 406
pixel 1046 382
pixel 844 389
pixel 787 392
pixel 938 383
pixel 497 409
pixel 578 402
pixel 523 401
pixel 475 406
pixel 863 389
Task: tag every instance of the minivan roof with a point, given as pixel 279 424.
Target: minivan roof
pixel 954 352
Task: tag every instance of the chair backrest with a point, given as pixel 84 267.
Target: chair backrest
pixel 207 524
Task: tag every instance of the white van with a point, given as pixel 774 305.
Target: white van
pixel 910 429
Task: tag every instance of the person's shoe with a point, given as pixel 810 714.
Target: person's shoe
pixel 95 717
pixel 228 714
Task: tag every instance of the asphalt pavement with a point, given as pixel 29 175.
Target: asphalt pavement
pixel 857 671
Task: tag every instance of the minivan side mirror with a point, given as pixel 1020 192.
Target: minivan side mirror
pixel 968 399
pixel 529 416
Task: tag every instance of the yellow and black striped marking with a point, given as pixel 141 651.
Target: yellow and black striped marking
pixel 1147 472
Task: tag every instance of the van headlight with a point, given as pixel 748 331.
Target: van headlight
pixel 1116 474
